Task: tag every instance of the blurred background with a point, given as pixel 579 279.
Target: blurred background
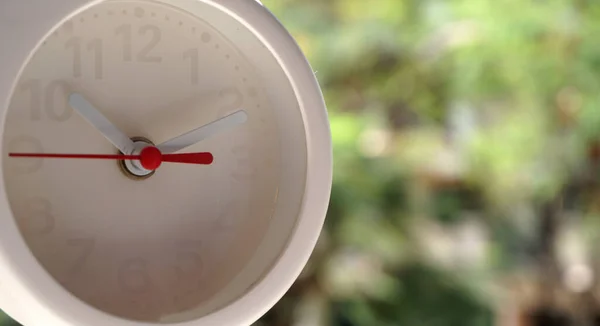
pixel 466 143
pixel 466 188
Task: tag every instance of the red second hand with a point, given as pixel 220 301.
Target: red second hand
pixel 150 157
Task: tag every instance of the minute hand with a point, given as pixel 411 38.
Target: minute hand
pixel 194 136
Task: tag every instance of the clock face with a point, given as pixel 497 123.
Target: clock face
pixel 145 246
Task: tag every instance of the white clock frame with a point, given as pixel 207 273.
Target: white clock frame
pixel 32 297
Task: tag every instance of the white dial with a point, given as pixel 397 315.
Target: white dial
pixel 146 246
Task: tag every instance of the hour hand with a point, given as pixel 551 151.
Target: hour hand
pixel 100 122
pixel 201 133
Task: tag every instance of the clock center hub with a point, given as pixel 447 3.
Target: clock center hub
pixel 150 158
pixel 145 166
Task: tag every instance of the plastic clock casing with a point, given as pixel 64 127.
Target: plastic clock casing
pixel 32 297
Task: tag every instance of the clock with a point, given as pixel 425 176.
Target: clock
pixel 163 162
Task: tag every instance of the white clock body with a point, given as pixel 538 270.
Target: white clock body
pixel 93 242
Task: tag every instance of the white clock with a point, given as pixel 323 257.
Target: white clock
pixel 164 162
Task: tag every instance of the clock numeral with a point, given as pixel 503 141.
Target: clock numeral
pixel 75 44
pixel 243 169
pixel 144 54
pixel 40 219
pixel 26 144
pixel 234 100
pixel 84 248
pixel 34 88
pixel 133 276
pixel 187 259
pixel 194 57
pixel 61 88
pixel 125 30
pixel 225 221
pixel 54 97
pixel 95 46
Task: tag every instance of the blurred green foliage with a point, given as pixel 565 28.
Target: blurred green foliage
pixel 457 119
